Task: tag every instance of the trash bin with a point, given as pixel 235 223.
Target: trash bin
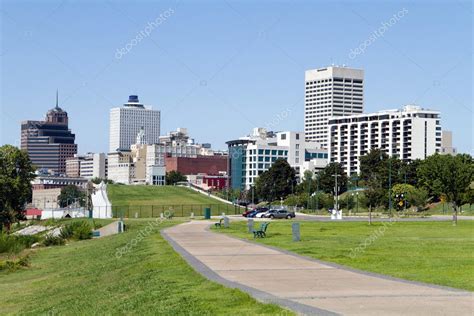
pixel 207 213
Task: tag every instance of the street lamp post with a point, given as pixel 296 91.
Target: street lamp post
pixel 405 200
pixel 309 194
pixel 357 201
pixel 336 190
pixel 357 198
pixel 389 187
pixel 317 189
pixel 389 183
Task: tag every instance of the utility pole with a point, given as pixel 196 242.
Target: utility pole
pixel 336 190
pixel 309 193
pixel 317 190
pixel 390 187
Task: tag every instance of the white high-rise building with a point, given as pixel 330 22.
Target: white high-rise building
pixel 409 133
pixel 126 122
pixel 329 92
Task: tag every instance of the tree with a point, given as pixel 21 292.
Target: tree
pixel 379 172
pixel 71 194
pixel 174 177
pixel 406 195
pixel 98 180
pixel 16 173
pixel 452 177
pixel 469 197
pixel 327 180
pixel 277 182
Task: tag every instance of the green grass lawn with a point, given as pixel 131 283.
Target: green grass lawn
pixel 150 201
pixel 86 278
pixel 432 252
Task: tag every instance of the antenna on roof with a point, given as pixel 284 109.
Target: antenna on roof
pixel 57 105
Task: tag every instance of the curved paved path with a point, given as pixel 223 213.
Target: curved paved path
pixel 305 285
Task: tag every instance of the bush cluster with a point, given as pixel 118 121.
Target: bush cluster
pixel 12 265
pixel 15 243
pixel 51 240
pixel 78 230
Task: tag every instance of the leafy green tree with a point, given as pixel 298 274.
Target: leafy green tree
pixel 71 194
pixel 98 180
pixel 16 173
pixel 296 200
pixel 452 177
pixel 409 196
pixel 174 177
pixel 469 197
pixel 327 179
pixel 277 182
pixel 379 173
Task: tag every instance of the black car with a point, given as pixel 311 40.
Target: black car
pixel 279 213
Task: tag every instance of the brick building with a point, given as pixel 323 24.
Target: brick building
pixel 210 165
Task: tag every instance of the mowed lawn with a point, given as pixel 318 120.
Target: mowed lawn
pixel 150 201
pixel 86 277
pixel 432 252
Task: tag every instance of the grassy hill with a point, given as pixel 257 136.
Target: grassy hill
pixel 150 201
pixel 88 278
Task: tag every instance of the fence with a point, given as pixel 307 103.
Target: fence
pixel 178 210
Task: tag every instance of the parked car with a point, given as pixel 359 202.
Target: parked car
pixel 257 213
pixel 247 212
pixel 280 213
pixel 254 210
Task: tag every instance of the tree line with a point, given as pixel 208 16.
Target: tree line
pixel 383 182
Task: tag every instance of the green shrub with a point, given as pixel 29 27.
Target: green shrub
pixel 12 265
pixel 96 225
pixel 51 240
pixel 50 222
pixel 77 230
pixel 67 231
pixel 16 243
pixel 83 231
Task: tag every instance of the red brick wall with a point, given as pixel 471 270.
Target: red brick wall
pixel 210 165
pixel 219 183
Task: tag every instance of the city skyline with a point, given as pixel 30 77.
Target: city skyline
pixel 244 74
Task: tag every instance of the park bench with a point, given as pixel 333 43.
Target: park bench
pixel 220 223
pixel 262 231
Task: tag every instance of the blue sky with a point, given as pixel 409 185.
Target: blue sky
pixel 220 68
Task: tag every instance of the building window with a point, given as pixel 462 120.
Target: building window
pixel 283 136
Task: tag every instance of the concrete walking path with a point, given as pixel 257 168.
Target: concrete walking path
pixel 305 285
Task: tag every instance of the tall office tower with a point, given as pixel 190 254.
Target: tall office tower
pixel 49 142
pixel 126 122
pixel 329 92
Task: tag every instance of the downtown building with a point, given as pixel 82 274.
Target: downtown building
pixel 146 163
pixel 89 166
pixel 254 154
pixel 408 133
pixel 331 92
pixel 128 120
pixel 50 142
